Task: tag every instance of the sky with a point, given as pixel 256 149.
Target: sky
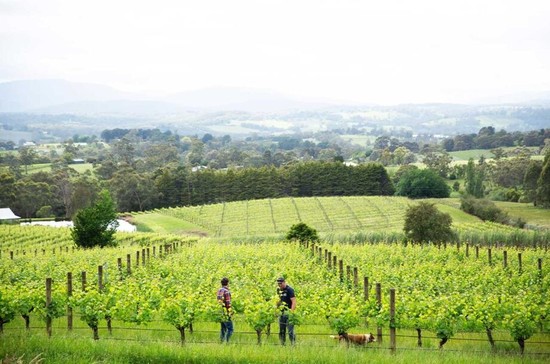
pixel 386 52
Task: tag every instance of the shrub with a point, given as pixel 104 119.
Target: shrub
pixel 484 209
pixel 96 225
pixel 45 211
pixel 425 223
pixel 422 183
pixel 302 232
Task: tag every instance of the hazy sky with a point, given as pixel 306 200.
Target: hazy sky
pixel 357 50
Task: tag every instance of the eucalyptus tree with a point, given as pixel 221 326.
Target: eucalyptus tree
pixel 474 179
pixel 543 183
pixel 27 156
pixel 530 181
pixel 31 196
pixel 133 191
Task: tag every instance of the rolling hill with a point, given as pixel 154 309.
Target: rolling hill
pixel 342 218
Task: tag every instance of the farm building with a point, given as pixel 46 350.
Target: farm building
pixel 6 214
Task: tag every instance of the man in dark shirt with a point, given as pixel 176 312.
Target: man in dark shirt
pixel 224 299
pixel 287 302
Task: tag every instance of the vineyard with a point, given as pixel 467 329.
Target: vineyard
pixel 351 219
pixel 153 287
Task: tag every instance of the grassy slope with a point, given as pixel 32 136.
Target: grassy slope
pixel 529 213
pixel 163 224
pixel 47 167
pixel 272 217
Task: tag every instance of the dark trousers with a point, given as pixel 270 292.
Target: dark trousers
pixel 226 331
pixel 283 327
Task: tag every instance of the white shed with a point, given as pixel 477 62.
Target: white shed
pixel 7 214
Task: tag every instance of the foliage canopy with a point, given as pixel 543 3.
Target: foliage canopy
pixel 422 183
pixel 425 223
pixel 302 232
pixel 96 225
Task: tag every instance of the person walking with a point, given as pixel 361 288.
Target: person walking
pixel 287 303
pixel 224 299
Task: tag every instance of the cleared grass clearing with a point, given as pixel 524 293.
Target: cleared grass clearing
pixel 532 214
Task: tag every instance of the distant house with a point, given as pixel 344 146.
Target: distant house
pixel 198 168
pixel 77 161
pixel 6 214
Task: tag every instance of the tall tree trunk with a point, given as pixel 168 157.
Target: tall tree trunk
pixel 268 330
pixel 419 336
pixel 442 342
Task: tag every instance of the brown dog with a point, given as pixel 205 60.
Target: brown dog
pixel 359 339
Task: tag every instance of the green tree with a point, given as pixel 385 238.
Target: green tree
pixel 543 183
pixel 425 223
pixel 96 225
pixel 7 189
pixel 27 157
pixel 530 181
pixel 161 155
pixel 422 183
pixel 509 172
pixel 31 196
pixel 133 191
pixel 302 232
pixel 474 179
pixel 439 162
pixel 85 191
pixel 124 151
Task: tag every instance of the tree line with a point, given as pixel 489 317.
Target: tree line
pixel 63 192
pixel 489 138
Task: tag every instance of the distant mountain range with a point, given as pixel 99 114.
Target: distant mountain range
pixel 60 96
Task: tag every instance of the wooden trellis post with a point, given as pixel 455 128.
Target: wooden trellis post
pixel 69 294
pixel 128 264
pixel 392 321
pixel 379 303
pixel 366 288
pixel 48 303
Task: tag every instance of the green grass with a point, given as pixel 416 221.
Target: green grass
pixel 160 223
pixel 533 215
pixel 465 155
pixel 361 140
pixel 47 167
pixel 159 344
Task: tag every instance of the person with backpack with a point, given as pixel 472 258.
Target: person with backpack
pixel 224 299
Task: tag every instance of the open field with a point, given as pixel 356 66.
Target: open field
pixel 464 155
pixel 47 167
pixel 534 216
